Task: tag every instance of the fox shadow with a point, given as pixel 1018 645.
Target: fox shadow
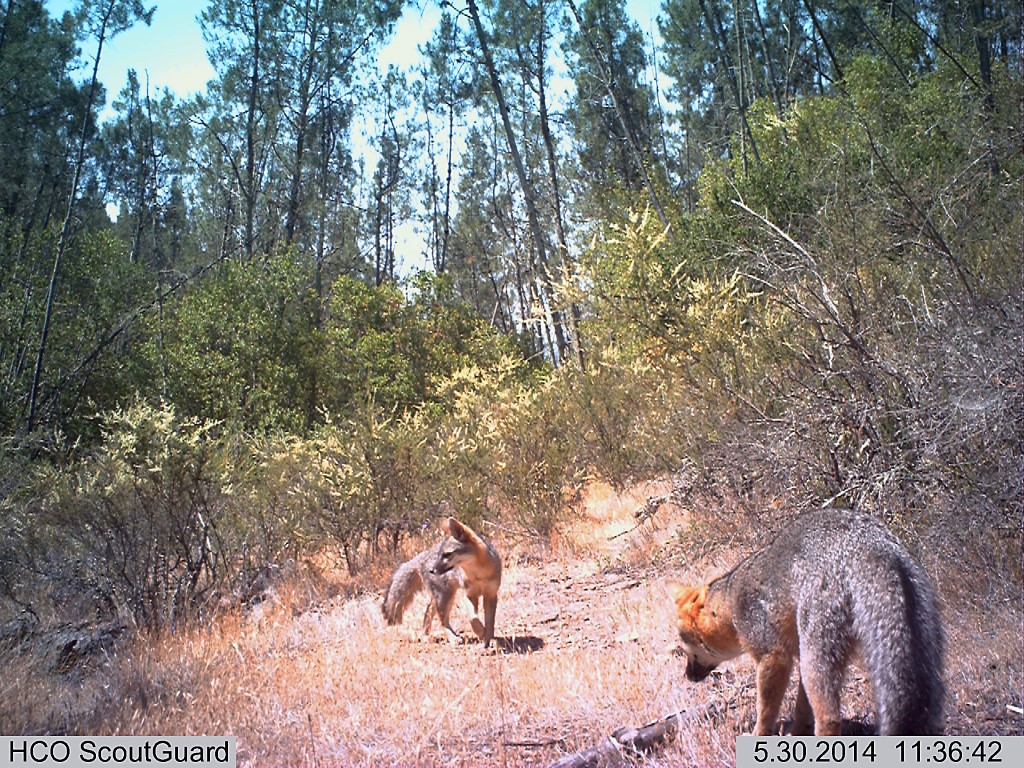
pixel 518 644
pixel 850 727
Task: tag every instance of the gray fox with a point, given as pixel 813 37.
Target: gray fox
pixel 461 559
pixel 832 585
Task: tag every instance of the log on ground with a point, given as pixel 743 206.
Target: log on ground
pixel 627 744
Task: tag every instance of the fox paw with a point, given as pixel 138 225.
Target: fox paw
pixel 478 628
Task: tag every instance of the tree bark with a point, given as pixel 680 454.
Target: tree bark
pixel 837 70
pixel 65 231
pixel 529 193
pixel 310 24
pixel 773 83
pixel 556 195
pixel 718 35
pixel 249 191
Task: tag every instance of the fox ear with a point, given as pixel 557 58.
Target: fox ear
pixel 463 533
pixel 677 591
pixel 688 597
pixel 456 529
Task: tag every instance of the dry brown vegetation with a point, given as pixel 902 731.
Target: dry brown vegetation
pixel 312 676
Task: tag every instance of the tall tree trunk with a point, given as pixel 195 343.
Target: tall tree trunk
pixel 837 70
pixel 631 143
pixel 326 142
pixel 440 212
pixel 64 238
pixel 714 23
pixel 19 351
pixel 529 193
pixel 446 229
pixel 773 83
pixel 310 23
pixel 158 255
pixel 556 195
pixel 740 73
pixel 249 191
pixel 982 43
pixel 433 183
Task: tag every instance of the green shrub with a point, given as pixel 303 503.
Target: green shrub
pixel 140 527
pixel 155 526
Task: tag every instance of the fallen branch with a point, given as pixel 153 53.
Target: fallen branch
pixel 626 744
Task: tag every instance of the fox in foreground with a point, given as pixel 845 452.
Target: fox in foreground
pixel 832 586
pixel 438 570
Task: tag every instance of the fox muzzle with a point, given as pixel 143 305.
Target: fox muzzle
pixel 695 671
pixel 441 567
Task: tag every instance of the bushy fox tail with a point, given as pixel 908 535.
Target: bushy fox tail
pixel 904 651
pixel 405 583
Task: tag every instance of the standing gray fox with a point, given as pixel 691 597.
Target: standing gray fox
pixel 831 586
pixel 462 559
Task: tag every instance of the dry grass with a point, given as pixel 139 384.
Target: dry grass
pixel 315 677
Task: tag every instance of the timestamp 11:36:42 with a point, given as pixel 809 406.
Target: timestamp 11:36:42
pixel 878 751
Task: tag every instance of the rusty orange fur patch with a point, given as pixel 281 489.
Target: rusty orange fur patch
pixel 713 625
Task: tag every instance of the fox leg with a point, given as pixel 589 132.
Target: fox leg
pixel 772 678
pixel 440 605
pixel 803 715
pixel 825 648
pixel 444 610
pixel 822 683
pixel 490 610
pixel 478 627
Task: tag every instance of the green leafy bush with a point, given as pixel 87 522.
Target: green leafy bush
pixel 241 348
pixel 826 307
pixel 142 527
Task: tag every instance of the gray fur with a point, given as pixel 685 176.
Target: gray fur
pixel 854 592
pixel 414 575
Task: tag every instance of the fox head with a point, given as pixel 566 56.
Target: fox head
pixel 706 631
pixel 460 543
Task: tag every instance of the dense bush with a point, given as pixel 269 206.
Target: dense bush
pixel 141 528
pixel 848 308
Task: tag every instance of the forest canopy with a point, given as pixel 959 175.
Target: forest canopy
pixel 780 242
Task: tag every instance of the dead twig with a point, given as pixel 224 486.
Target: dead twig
pixel 644 512
pixel 541 744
